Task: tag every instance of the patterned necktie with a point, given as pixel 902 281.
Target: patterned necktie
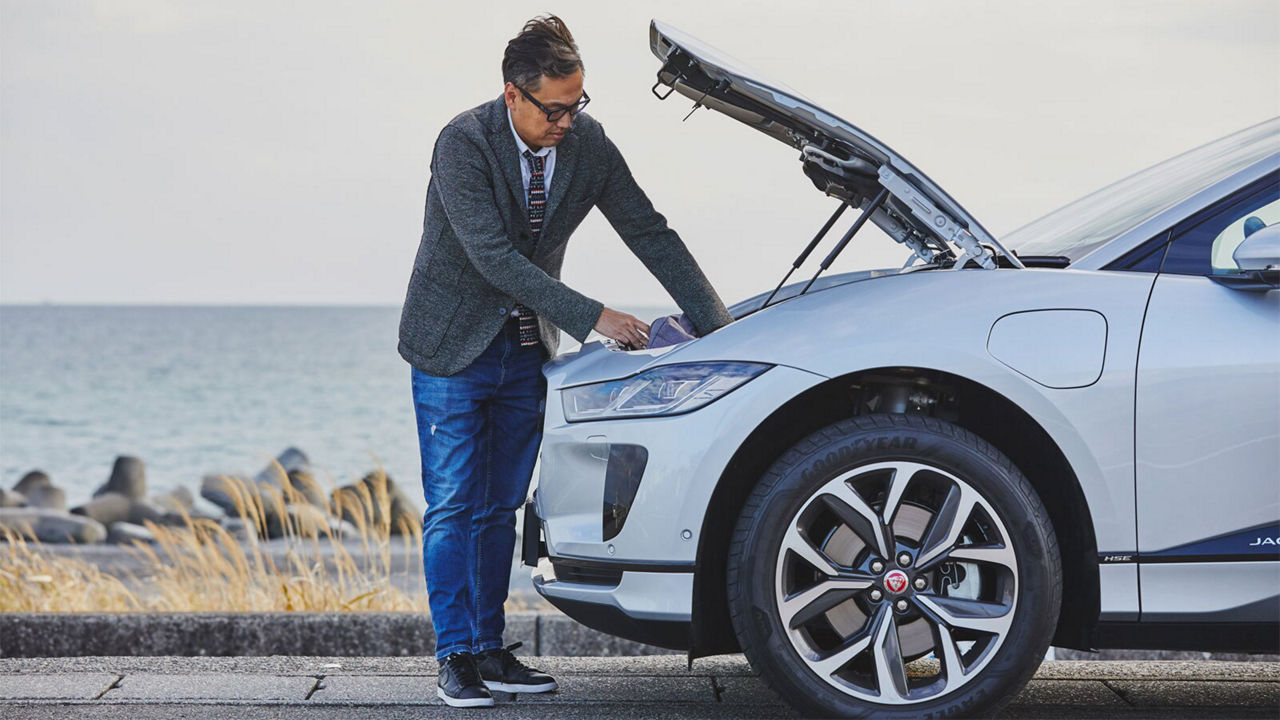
pixel 537 206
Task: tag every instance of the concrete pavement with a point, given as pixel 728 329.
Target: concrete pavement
pixel 617 687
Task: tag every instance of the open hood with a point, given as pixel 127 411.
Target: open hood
pixel 840 159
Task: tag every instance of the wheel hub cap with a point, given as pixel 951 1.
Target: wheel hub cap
pixel 895 582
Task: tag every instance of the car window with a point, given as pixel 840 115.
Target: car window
pixel 1203 244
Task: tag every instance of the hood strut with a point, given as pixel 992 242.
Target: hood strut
pixel 835 252
pixel 857 225
pixel 804 254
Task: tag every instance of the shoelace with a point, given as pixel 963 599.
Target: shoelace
pixel 508 659
pixel 463 670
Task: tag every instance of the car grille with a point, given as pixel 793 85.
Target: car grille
pixel 586 575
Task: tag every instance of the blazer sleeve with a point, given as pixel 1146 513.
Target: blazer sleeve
pixel 466 188
pixel 645 232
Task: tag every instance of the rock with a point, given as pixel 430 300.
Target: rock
pixel 112 507
pixel 404 515
pixel 304 483
pixel 177 519
pixel 52 526
pixel 173 519
pixel 48 496
pixel 405 519
pixel 12 499
pixel 126 532
pixel 308 519
pixel 222 490
pixel 303 521
pixel 340 528
pixel 32 480
pixel 128 477
pixel 276 473
pixel 241 531
pixel 386 502
pixel 107 508
pixel 142 510
pixel 266 496
pixel 373 479
pixel 175 500
pixel 61 527
pixel 20 520
pixel 272 504
pixel 354 504
pixel 345 503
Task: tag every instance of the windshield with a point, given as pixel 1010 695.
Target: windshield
pixel 1077 229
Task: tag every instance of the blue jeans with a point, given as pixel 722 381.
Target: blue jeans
pixel 478 432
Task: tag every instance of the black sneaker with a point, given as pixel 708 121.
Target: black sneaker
pixel 503 672
pixel 460 684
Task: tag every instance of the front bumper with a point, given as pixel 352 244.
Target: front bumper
pixel 645 603
pixel 635 578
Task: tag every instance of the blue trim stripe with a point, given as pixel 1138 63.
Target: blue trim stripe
pixel 1260 543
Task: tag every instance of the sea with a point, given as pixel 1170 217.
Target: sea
pixel 194 390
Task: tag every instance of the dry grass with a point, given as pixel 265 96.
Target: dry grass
pixel 199 566
pixel 34 582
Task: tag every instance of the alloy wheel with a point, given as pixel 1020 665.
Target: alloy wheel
pixel 896 582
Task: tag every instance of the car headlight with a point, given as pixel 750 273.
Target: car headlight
pixel 666 390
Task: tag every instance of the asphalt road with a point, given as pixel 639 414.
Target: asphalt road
pixel 649 687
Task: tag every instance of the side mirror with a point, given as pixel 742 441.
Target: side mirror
pixel 1258 258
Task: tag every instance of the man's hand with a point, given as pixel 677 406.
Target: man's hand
pixel 626 329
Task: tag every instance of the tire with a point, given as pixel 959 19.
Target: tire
pixel 839 623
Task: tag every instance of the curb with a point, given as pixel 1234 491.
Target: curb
pixel 352 634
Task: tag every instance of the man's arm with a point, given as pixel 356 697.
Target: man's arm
pixel 645 232
pixel 467 192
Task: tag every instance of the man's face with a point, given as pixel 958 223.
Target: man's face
pixel 530 122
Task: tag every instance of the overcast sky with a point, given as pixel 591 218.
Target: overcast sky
pixel 277 152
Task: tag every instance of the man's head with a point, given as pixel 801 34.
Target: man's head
pixel 541 67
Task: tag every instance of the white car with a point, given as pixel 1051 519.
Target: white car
pixel 893 490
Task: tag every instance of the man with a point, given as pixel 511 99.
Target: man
pixel 510 181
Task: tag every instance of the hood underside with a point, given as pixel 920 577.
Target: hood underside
pixel 841 160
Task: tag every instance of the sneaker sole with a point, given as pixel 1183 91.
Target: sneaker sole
pixel 461 702
pixel 510 688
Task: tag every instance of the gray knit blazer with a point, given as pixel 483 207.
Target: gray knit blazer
pixel 477 258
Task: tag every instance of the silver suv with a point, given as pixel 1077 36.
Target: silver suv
pixel 893 490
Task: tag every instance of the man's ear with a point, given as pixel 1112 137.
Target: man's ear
pixel 509 95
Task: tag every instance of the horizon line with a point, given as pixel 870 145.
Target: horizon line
pixel 49 303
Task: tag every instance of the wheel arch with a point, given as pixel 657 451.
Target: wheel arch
pixel 977 408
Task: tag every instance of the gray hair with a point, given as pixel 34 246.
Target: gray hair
pixel 544 47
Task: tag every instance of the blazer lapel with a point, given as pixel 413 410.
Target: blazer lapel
pixel 504 146
pixel 566 163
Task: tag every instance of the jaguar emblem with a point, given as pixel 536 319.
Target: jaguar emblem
pixel 895 582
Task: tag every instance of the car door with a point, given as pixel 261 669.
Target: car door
pixel 1208 425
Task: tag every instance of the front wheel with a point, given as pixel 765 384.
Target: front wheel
pixel 894 565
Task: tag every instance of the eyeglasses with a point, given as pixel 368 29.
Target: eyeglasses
pixel 555 113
